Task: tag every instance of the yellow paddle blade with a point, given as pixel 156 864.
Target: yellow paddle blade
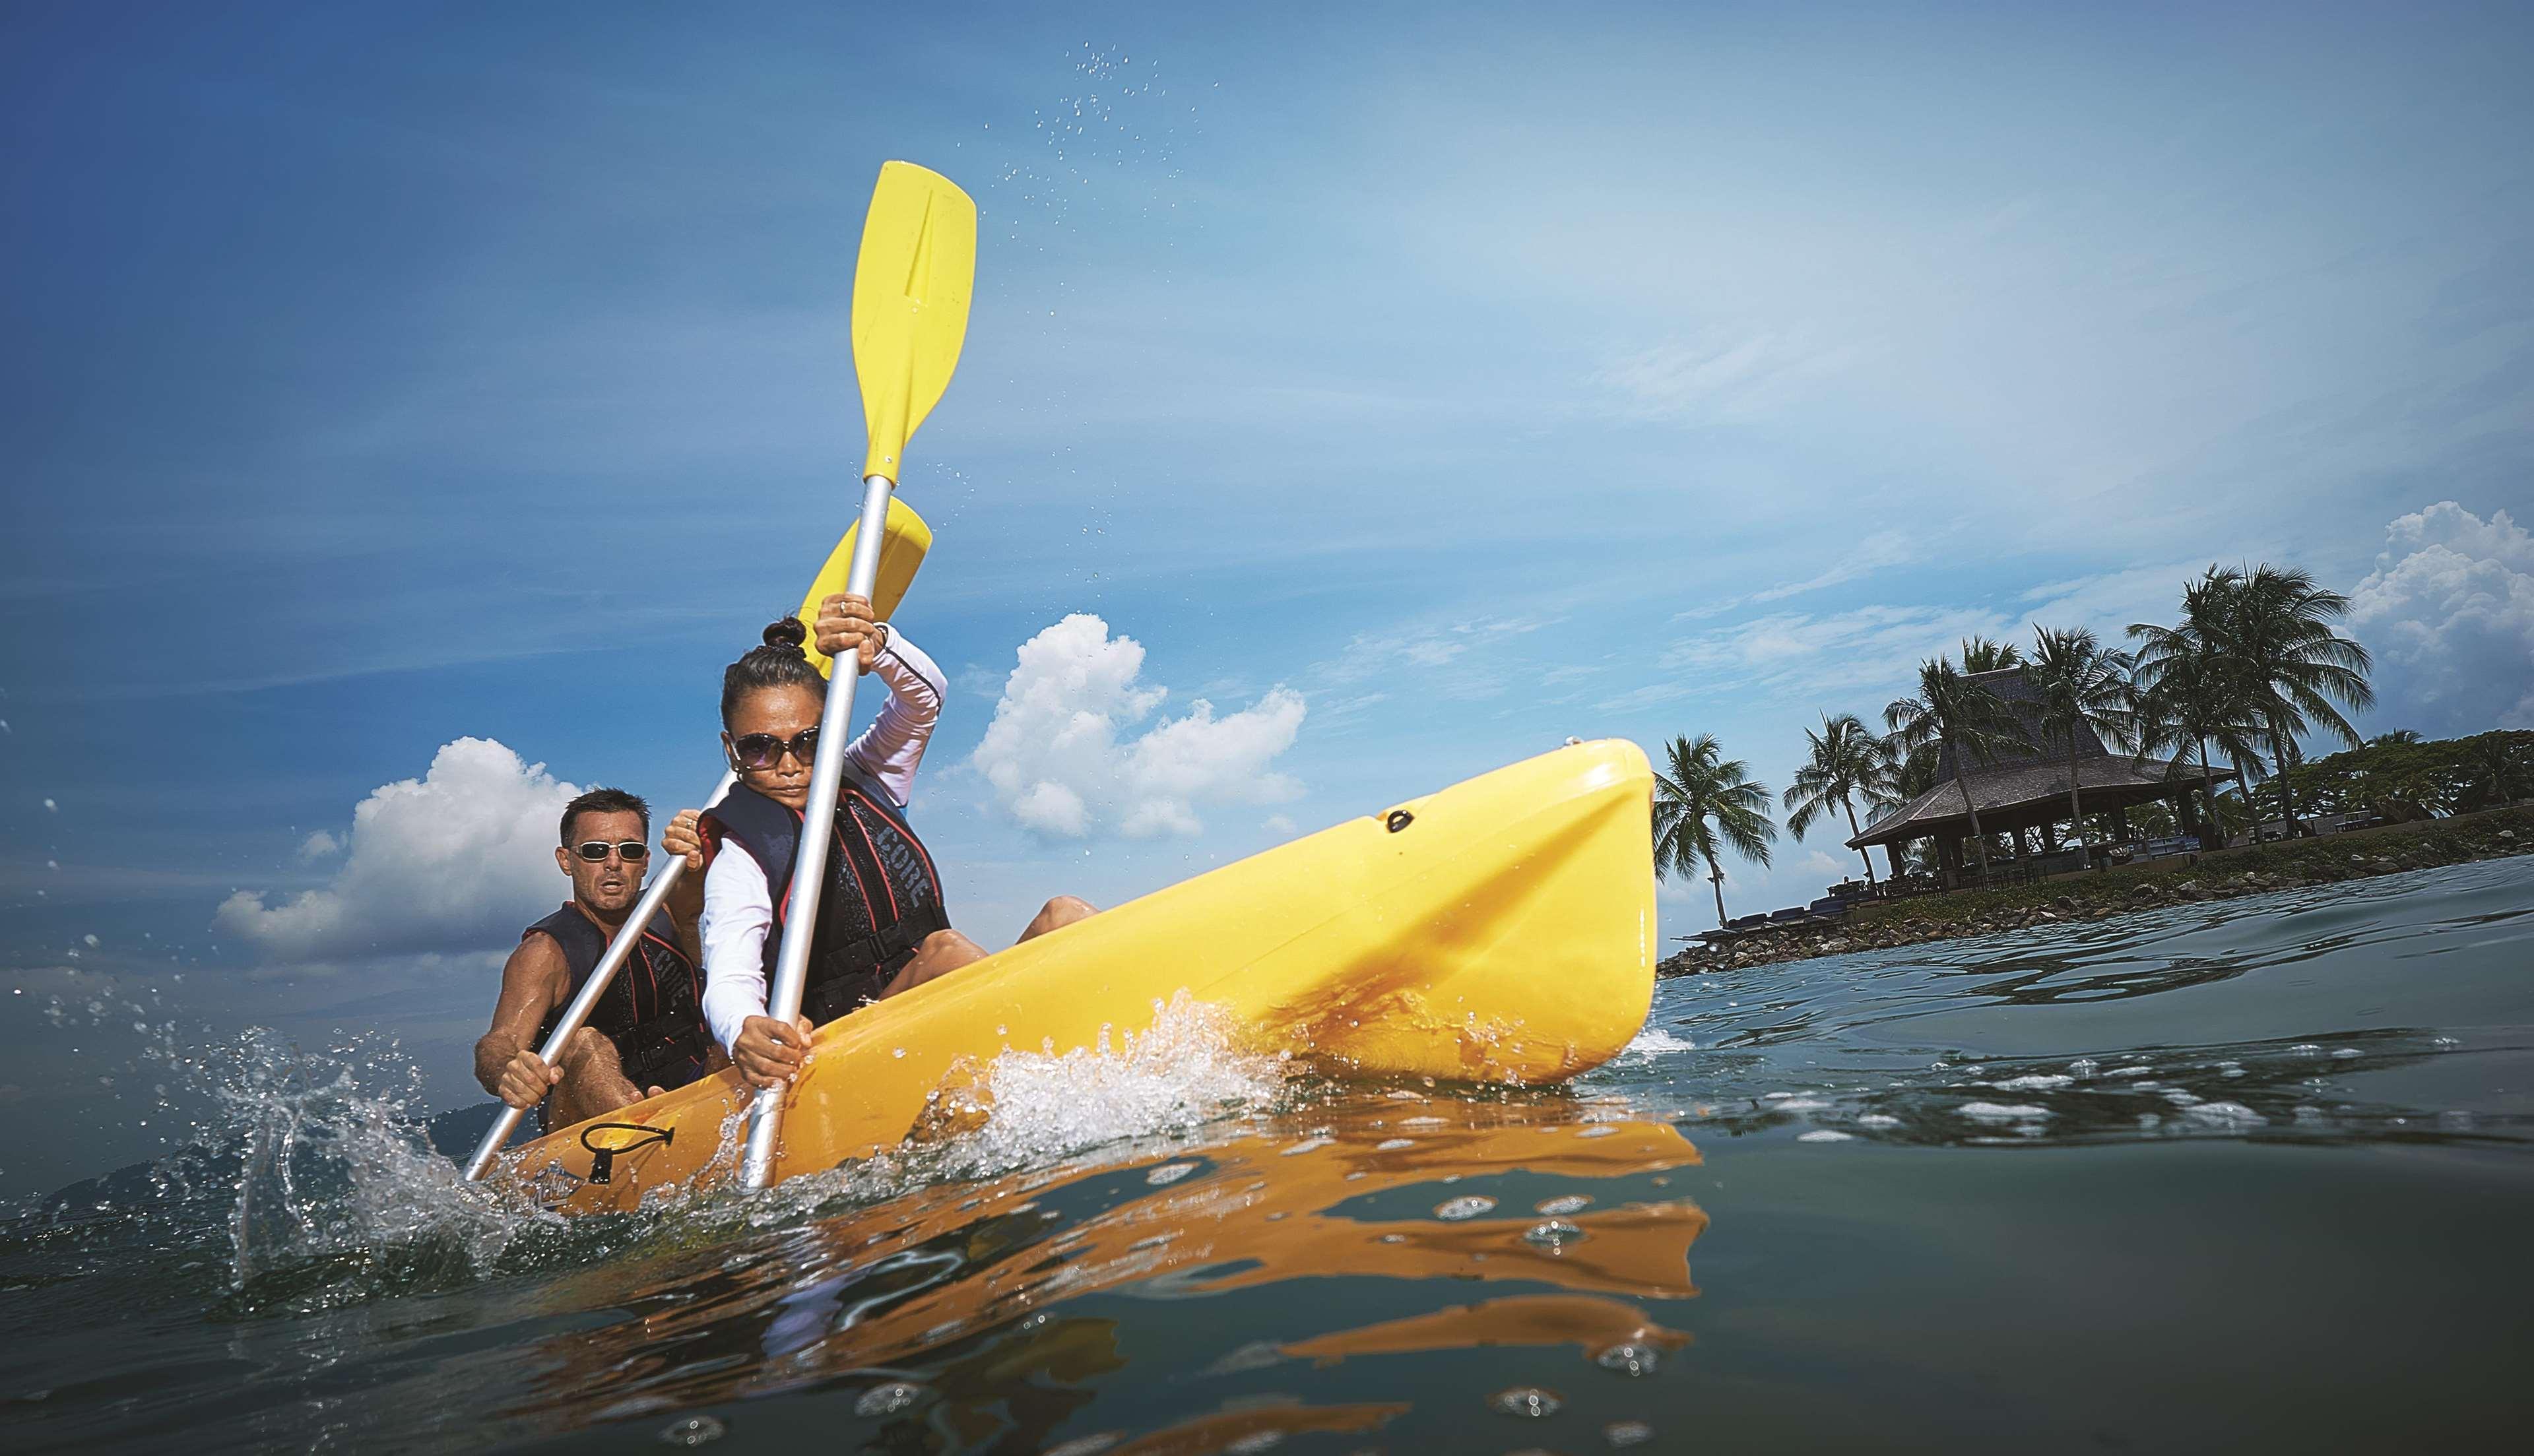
pixel 900 552
pixel 911 287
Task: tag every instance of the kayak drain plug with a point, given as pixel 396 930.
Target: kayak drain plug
pixel 602 1156
pixel 1399 819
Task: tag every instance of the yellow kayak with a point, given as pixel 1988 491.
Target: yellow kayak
pixel 1501 930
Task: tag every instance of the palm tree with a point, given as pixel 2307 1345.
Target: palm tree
pixel 2190 693
pixel 2080 686
pixel 2394 737
pixel 2496 770
pixel 2277 634
pixel 1984 655
pixel 1953 713
pixel 1845 762
pixel 2184 704
pixel 1706 797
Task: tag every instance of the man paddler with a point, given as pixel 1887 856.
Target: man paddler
pixel 646 1033
pixel 882 927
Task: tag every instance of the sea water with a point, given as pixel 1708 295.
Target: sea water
pixel 2252 1173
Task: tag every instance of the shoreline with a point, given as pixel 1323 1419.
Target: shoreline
pixel 2222 874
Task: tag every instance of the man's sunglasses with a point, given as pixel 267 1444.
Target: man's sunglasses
pixel 764 750
pixel 631 851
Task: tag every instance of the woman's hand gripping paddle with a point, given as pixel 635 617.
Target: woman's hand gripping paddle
pixel 911 287
pixel 901 552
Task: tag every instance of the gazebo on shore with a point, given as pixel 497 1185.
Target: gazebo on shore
pixel 2026 786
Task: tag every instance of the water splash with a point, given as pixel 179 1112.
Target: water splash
pixel 335 1178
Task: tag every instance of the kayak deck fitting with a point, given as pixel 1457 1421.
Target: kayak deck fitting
pixel 1501 930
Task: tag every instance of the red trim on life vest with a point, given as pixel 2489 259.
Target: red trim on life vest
pixel 895 914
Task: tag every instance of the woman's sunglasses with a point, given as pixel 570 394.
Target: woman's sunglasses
pixel 631 851
pixel 764 750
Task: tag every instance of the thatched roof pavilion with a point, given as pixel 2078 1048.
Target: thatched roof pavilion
pixel 2026 786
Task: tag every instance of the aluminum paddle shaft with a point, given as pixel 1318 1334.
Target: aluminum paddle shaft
pixel 818 837
pixel 574 1015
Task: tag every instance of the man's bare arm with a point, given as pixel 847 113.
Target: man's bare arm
pixel 533 982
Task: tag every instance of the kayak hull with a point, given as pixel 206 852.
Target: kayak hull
pixel 1500 930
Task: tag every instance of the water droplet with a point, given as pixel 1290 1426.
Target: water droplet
pixel 694 1430
pixel 1527 1401
pixel 889 1399
pixel 1627 1432
pixel 1628 1359
pixel 1393 1144
pixel 1556 1233
pixel 1563 1205
pixel 1453 1210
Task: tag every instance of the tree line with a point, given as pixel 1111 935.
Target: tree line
pixel 2253 667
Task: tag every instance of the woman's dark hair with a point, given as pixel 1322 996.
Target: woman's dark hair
pixel 780 662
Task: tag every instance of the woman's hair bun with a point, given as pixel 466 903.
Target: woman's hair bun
pixel 780 662
pixel 786 632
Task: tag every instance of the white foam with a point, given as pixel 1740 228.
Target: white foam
pixel 1654 1041
pixel 1993 1112
pixel 2224 1115
pixel 1825 1134
pixel 2037 1082
pixel 1878 1120
pixel 1184 1071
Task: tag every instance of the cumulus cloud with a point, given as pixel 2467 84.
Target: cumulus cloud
pixel 1062 763
pixel 456 860
pixel 2449 611
pixel 320 845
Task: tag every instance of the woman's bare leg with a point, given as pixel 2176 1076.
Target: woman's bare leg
pixel 946 950
pixel 1057 914
pixel 942 952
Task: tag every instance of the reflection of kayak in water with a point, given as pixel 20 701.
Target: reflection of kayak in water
pixel 1561 1234
pixel 1498 931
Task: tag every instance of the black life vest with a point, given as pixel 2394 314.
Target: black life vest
pixel 652 1008
pixel 882 899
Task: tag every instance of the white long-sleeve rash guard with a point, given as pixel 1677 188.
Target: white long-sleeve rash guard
pixel 739 908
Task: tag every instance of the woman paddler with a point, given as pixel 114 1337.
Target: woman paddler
pixel 882 927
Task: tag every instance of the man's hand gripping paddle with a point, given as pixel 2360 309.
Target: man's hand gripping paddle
pixel 911 287
pixel 901 552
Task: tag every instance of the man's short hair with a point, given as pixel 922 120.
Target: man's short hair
pixel 605 801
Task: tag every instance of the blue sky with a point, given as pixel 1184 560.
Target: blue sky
pixel 1416 386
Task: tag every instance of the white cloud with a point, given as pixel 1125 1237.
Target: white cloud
pixel 1856 652
pixel 1425 649
pixel 320 845
pixel 2448 613
pixel 1871 554
pixel 1714 375
pixel 1060 766
pixel 2110 600
pixel 456 860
